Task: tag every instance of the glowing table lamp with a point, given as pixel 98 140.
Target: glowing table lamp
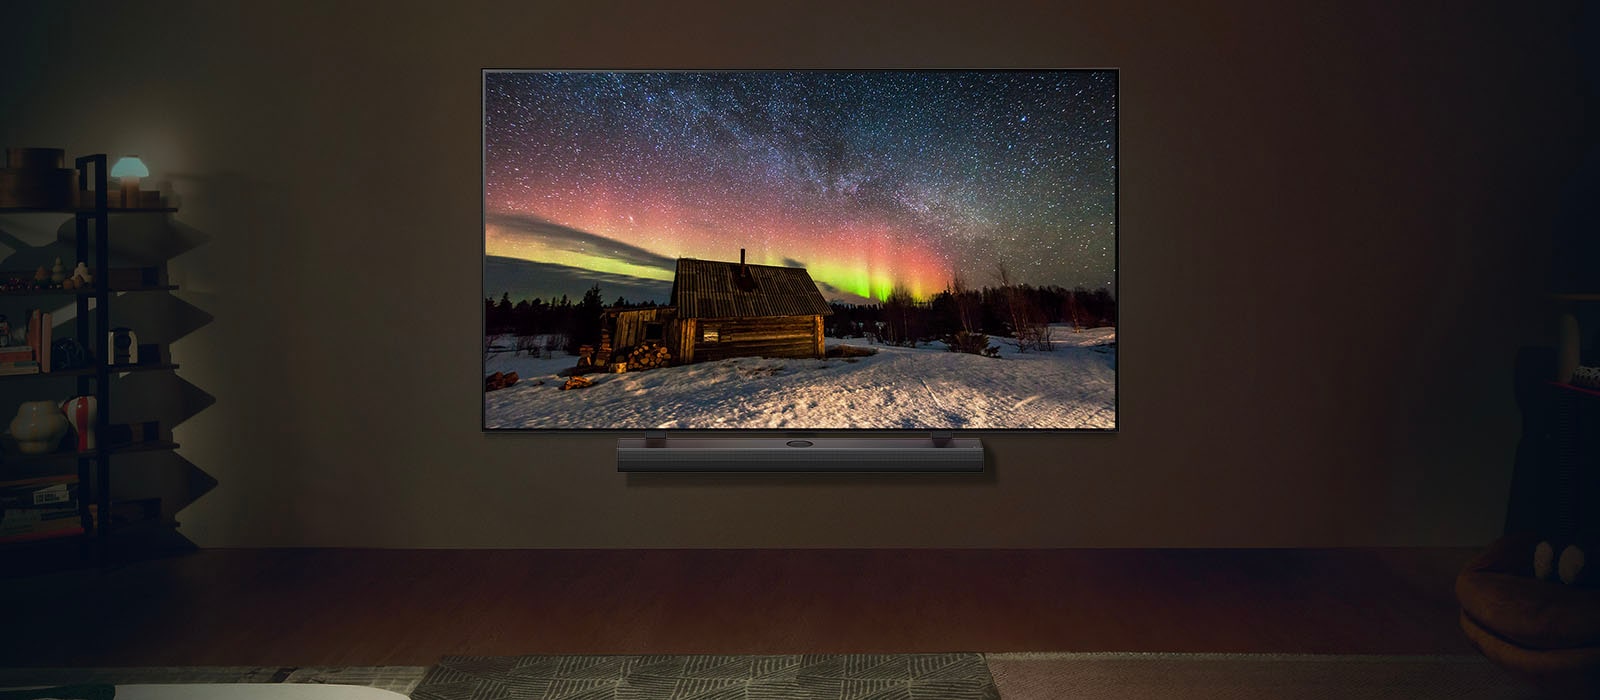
pixel 128 170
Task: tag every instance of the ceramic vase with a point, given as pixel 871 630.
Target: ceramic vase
pixel 38 427
pixel 80 413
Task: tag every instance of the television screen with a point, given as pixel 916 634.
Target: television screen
pixel 800 250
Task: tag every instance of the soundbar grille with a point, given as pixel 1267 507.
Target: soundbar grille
pixel 965 456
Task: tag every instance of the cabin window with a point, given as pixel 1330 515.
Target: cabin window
pixel 652 331
pixel 708 334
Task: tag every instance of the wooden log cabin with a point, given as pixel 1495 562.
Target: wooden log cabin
pixel 722 309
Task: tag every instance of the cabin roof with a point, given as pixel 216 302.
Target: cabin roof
pixel 710 289
pixel 637 310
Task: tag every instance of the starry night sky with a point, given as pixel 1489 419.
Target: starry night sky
pixel 870 180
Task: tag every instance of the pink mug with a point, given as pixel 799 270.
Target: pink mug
pixel 81 415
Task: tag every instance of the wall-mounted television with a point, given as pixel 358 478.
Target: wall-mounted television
pixel 800 250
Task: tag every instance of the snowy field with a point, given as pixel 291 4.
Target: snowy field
pixel 925 387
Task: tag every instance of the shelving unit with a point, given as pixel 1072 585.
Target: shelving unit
pixel 114 369
pixel 94 380
pixel 146 446
pixel 1555 490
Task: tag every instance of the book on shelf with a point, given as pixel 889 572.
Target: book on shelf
pixel 38 480
pixel 23 521
pixel 50 491
pixel 53 495
pixel 47 327
pixel 42 518
pixel 16 353
pixel 33 331
pixel 41 325
pixel 42 535
pixel 34 506
pixel 37 518
pixel 20 367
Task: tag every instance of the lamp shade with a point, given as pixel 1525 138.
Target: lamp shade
pixel 129 165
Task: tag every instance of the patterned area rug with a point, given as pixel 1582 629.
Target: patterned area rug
pixel 400 679
pixel 1055 676
pixel 798 677
pixel 1130 676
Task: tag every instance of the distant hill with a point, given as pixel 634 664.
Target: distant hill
pixel 525 279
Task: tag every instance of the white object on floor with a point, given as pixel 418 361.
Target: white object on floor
pixel 1544 561
pixel 252 691
pixel 1571 565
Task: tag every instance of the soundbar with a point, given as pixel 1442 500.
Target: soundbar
pixel 939 453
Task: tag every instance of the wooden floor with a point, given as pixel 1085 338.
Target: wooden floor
pixel 410 607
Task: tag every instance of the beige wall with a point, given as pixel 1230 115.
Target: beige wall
pixel 1332 240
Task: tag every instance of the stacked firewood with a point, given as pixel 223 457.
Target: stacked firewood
pixel 648 356
pixel 499 381
pixel 576 383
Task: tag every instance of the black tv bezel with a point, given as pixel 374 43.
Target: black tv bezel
pixel 1116 257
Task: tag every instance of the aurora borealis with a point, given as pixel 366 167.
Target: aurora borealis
pixel 869 179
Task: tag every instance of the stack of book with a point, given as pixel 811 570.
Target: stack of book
pixel 34 357
pixel 41 508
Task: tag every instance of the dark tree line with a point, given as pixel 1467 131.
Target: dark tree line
pixel 1019 311
pixel 564 324
pixel 960 316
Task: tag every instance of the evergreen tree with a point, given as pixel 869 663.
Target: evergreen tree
pixel 591 300
pixel 586 318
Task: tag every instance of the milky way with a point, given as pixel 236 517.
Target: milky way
pixel 870 180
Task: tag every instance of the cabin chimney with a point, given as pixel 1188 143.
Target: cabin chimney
pixel 742 279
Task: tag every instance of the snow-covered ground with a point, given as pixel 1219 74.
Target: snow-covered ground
pixel 899 388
